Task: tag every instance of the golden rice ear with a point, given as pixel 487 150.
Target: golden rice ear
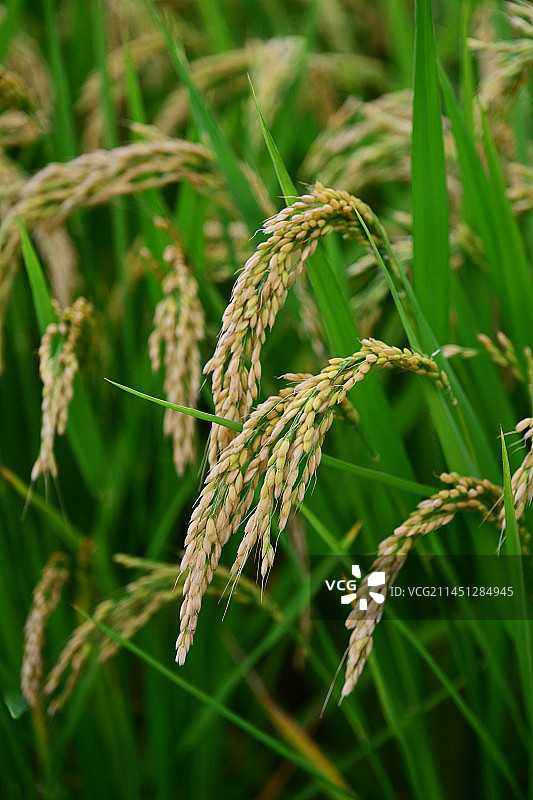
pixel 58 365
pixel 46 596
pixel 125 612
pixel 147 50
pixel 277 452
pixel 364 143
pixel 26 94
pixel 261 290
pixel 464 494
pixel 503 353
pixel 179 325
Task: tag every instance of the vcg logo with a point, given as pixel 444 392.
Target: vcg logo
pixel 350 586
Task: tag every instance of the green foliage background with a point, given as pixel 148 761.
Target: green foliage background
pixel 443 709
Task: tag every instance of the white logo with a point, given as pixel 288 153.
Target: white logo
pixel 374 579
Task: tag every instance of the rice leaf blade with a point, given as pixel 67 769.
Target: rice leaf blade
pixel 429 192
pixel 44 311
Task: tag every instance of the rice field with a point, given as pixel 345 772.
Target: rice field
pixel 265 315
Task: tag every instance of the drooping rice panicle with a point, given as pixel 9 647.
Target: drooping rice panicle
pixel 60 258
pixel 95 178
pixel 179 327
pixel 504 66
pixel 503 354
pixel 261 290
pixel 271 70
pixel 468 494
pixel 50 196
pixel 146 54
pixel 26 94
pixel 73 658
pixel 277 452
pixel 55 246
pixel 375 135
pixel 18 122
pixel 46 596
pixel 58 364
pixel 325 73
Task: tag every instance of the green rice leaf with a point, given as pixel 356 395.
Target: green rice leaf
pixel 16 704
pixel 516 266
pixel 512 536
pixel 362 472
pixel 284 180
pixel 65 129
pixel 486 209
pixel 192 412
pixel 68 533
pixel 520 629
pixel 44 311
pixel 429 192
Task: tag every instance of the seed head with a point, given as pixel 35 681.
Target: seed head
pixel 179 326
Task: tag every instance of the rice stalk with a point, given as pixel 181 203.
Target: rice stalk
pixel 277 453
